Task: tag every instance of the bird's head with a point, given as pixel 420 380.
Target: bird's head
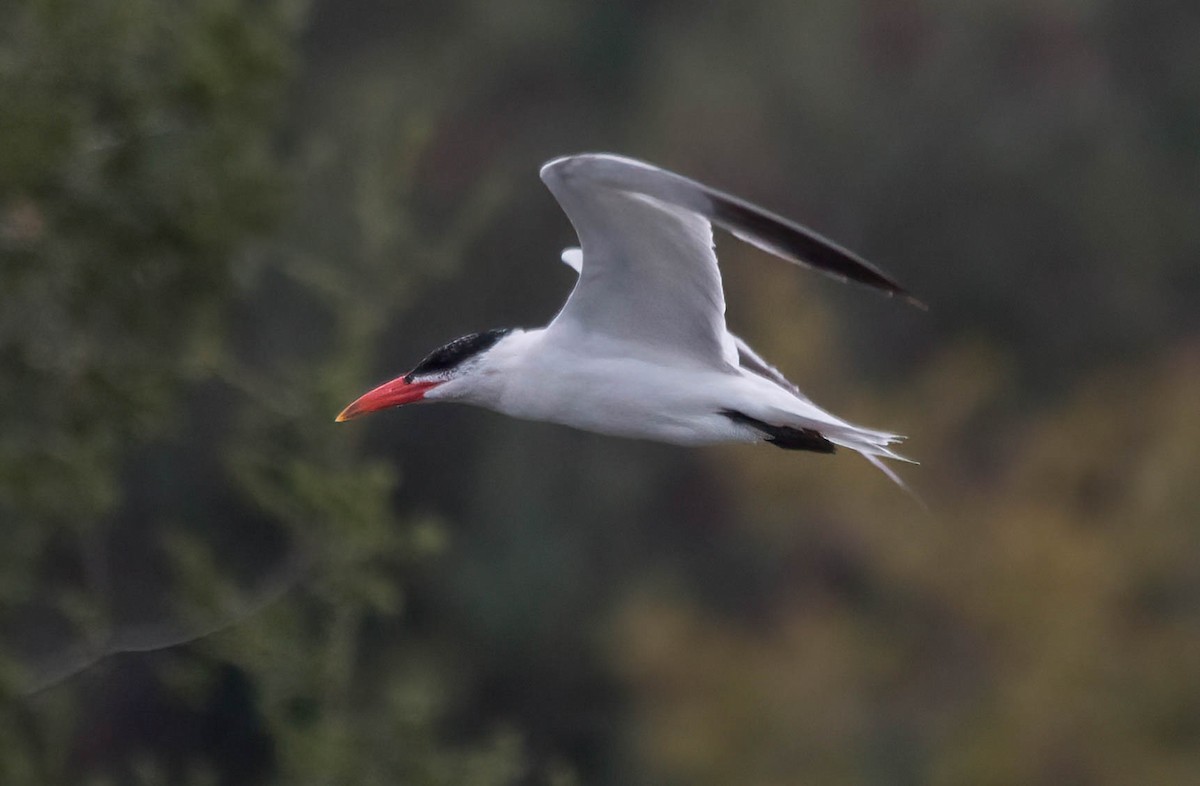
pixel 448 369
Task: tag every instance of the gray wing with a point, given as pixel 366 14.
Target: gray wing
pixel 649 274
pixel 747 358
pixel 752 361
pixel 648 278
pixel 748 222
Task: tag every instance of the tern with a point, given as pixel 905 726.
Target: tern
pixel 640 349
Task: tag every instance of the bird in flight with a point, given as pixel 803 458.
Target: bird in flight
pixel 640 349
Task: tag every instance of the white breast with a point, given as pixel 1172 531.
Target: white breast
pixel 609 389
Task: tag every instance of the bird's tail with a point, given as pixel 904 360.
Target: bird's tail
pixel 874 446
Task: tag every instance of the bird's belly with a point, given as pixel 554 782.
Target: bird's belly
pixel 677 407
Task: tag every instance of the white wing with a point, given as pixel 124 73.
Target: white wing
pixel 649 274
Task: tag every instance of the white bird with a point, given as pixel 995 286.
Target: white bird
pixel 640 349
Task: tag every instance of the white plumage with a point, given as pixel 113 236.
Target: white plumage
pixel 640 349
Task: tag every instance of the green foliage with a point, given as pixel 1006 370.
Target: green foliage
pixel 126 191
pixel 162 478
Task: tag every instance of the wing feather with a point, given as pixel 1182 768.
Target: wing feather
pixel 648 283
pixel 748 222
pixel 649 279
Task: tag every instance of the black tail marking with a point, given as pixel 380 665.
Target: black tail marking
pixel 785 437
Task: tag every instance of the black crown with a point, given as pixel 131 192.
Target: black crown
pixel 453 354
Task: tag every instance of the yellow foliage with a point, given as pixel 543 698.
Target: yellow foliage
pixel 1037 625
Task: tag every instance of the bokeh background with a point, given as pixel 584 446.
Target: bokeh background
pixel 221 220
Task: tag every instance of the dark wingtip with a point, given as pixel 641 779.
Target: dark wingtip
pixel 792 241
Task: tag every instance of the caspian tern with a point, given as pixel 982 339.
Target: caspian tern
pixel 640 349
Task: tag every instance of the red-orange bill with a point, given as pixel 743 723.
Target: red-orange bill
pixel 389 394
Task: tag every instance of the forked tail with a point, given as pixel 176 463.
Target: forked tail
pixel 820 432
pixel 874 446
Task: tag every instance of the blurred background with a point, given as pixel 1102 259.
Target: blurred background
pixel 222 220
